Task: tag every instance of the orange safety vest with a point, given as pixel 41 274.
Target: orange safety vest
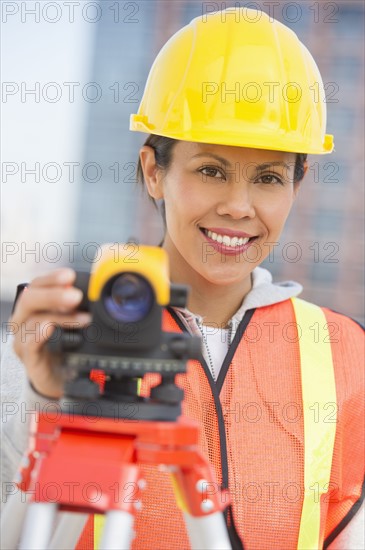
pixel 254 421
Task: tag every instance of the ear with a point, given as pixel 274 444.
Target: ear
pixel 298 183
pixel 151 172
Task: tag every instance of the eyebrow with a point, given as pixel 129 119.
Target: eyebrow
pixel 267 165
pixel 226 163
pixel 222 160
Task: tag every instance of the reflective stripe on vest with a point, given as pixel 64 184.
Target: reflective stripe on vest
pixel 318 390
pixel 99 523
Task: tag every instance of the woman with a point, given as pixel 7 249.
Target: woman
pixel 229 107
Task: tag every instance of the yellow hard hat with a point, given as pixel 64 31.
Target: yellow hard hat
pixel 236 77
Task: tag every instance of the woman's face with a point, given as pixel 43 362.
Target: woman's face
pixel 225 208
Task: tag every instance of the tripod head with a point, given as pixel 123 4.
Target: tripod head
pixel 126 295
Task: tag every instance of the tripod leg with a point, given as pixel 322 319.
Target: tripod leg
pixel 68 531
pixel 118 531
pixel 208 532
pixel 12 520
pixel 39 523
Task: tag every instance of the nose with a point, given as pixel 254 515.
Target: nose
pixel 236 201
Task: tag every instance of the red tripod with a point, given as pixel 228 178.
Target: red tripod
pixel 73 451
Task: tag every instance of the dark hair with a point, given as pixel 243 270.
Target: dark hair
pixel 163 147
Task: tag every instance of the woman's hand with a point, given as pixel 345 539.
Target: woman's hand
pixel 48 301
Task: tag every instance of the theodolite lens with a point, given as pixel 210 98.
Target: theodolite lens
pixel 128 298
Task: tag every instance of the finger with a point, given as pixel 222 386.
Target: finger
pixel 36 300
pixel 31 336
pixel 63 276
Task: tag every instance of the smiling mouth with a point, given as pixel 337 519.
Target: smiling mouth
pixel 226 240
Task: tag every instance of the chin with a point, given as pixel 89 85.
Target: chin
pixel 226 278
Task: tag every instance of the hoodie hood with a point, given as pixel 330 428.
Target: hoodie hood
pixel 266 293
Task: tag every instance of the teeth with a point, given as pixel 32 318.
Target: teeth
pixel 227 241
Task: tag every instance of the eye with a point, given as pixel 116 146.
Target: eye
pixel 212 172
pixel 269 179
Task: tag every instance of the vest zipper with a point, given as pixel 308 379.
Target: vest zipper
pixel 215 389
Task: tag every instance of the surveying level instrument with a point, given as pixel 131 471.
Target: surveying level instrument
pixel 126 295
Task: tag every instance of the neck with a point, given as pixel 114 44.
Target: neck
pixel 218 304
